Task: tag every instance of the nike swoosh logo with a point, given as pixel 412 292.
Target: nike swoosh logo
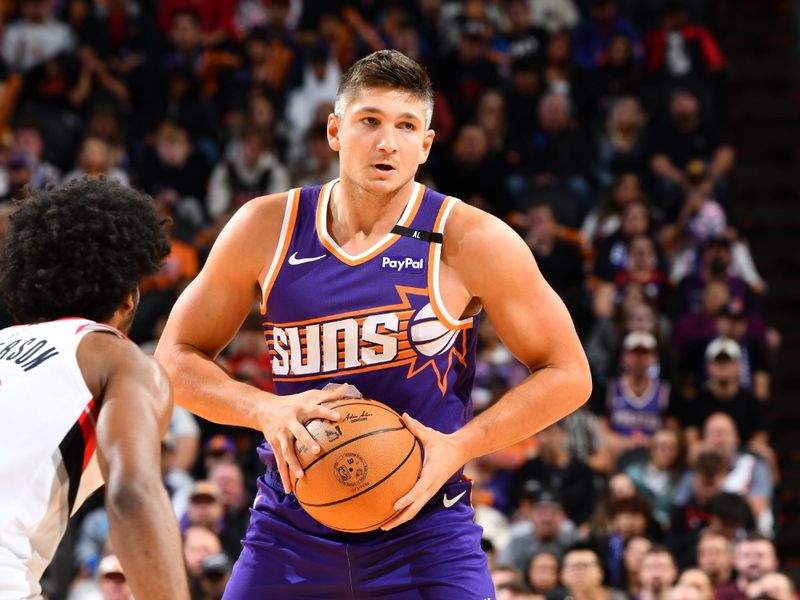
pixel 293 260
pixel 448 502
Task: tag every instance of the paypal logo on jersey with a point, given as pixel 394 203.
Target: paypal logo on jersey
pixel 402 264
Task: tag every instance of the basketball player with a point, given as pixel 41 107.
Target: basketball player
pixel 375 281
pixel 80 404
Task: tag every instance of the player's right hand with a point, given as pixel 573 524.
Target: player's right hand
pixel 281 420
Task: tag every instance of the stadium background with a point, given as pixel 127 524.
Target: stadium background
pixel 669 124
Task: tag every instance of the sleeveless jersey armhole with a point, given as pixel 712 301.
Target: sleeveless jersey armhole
pixel 284 240
pixel 434 259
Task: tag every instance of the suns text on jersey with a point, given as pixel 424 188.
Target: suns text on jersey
pixel 335 345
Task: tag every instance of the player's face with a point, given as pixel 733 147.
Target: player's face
pixel 381 139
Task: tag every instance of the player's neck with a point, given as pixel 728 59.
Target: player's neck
pixel 355 213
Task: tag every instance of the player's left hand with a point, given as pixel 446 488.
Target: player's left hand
pixel 443 457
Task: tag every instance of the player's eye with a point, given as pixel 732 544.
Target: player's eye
pixel 371 121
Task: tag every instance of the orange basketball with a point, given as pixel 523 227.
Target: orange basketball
pixel 367 461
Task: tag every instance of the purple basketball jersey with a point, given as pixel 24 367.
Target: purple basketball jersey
pixel 375 320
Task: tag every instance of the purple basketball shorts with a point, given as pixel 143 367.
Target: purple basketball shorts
pixel 288 556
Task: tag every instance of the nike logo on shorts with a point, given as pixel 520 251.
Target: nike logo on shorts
pixel 293 260
pixel 448 502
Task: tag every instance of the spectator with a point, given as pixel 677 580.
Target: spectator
pixel 685 136
pixel 556 469
pixel 173 164
pixel 198 544
pixel 715 264
pixel 472 171
pixel 525 40
pixel 625 518
pixel 591 38
pixel 205 508
pixel 554 15
pixel 250 170
pixel 228 478
pixel 95 160
pixel 775 586
pixel 656 478
pixel 642 275
pixel 547 530
pixel 638 401
pixel 605 220
pixel 682 52
pixel 542 573
pixel 559 159
pixel 215 572
pixel 612 252
pixel 29 141
pixel 322 164
pixel 691 513
pixel 715 557
pixel 697 579
pixel 747 474
pixel 622 148
pixel 620 73
pixel 582 576
pixel 466 71
pixel 35 37
pixel 560 261
pixel 111 578
pixel 657 574
pixel 635 550
pixel 684 592
pixel 723 393
pixel 754 557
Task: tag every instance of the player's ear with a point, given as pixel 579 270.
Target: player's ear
pixel 333 132
pixel 427 143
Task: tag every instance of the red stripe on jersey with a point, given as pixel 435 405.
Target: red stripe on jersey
pixel 87 422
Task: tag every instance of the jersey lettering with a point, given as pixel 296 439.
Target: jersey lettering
pixel 335 345
pixel 27 356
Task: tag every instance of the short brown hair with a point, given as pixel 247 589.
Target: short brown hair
pixel 386 68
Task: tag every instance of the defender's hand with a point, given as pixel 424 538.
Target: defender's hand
pixel 281 420
pixel 443 457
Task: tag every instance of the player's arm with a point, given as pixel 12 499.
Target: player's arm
pixel 206 317
pixel 531 320
pixel 496 267
pixel 134 416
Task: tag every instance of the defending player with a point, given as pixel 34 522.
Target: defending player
pixel 376 281
pixel 80 404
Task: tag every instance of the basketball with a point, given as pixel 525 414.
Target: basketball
pixel 367 461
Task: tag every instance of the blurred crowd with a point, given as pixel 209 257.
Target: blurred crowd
pixel 595 128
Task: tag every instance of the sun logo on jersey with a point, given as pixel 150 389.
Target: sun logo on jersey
pixel 366 340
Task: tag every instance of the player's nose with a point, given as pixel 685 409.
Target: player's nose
pixel 387 141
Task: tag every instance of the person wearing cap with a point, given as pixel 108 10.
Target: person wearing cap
pixel 215 571
pixel 205 507
pixel 749 331
pixel 638 401
pixel 560 472
pixel 722 392
pixel 547 528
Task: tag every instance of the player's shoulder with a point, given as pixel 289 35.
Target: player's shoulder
pixel 264 209
pixel 474 230
pixel 102 355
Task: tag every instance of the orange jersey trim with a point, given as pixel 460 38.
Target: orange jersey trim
pixel 352 261
pixel 285 239
pixel 434 258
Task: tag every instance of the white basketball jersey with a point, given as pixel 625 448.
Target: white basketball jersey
pixel 48 465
